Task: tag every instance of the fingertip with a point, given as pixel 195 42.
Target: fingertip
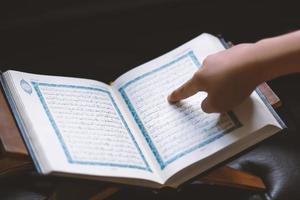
pixel 171 98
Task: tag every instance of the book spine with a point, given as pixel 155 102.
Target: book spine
pixel 271 109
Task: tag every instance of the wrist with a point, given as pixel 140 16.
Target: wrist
pixel 253 64
pixel 278 56
pixel 263 61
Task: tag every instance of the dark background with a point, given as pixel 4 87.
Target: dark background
pixel 103 39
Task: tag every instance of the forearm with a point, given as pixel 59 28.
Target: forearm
pixel 276 56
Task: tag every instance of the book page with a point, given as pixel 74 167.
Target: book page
pixel 76 126
pixel 179 134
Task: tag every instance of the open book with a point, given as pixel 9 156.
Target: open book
pixel 127 132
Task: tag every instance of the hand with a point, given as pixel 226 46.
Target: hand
pixel 228 77
pixel 231 75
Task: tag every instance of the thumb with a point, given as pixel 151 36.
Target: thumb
pixel 206 105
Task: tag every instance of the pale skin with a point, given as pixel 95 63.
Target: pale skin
pixel 230 76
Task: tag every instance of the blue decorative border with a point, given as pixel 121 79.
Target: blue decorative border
pixel 159 159
pixel 59 135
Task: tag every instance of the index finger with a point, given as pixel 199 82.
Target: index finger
pixel 188 89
